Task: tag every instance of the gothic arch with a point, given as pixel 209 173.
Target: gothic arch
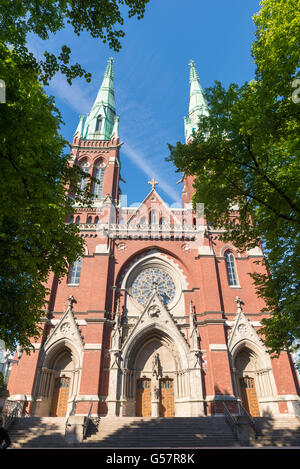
pixel 139 353
pixel 164 265
pixel 137 257
pixel 60 359
pixel 84 159
pixel 229 247
pixel 159 334
pixel 251 362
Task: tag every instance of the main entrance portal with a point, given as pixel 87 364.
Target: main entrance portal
pixel 249 397
pixel 60 396
pixel 143 397
pixel 166 404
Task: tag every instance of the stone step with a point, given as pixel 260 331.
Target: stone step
pixel 131 432
pixel 168 432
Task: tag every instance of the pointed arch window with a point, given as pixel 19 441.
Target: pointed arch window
pixel 98 186
pixel 74 273
pixel 163 221
pixel 84 180
pixel 231 269
pixel 99 124
pixel 152 217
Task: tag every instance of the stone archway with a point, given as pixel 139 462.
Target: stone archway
pixel 155 361
pixel 58 381
pixel 152 361
pixel 253 381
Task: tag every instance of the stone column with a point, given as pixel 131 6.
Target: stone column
pixel 155 398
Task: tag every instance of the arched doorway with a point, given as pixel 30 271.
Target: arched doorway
pixel 58 381
pixel 252 380
pixel 249 396
pixel 59 402
pixel 151 383
pixel 62 379
pixel 166 397
pixel 143 397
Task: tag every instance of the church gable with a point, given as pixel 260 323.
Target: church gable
pixel 155 315
pixel 152 210
pixel 242 331
pixel 66 328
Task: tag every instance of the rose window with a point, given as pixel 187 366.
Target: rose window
pixel 149 280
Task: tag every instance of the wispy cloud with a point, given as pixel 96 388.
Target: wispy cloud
pixel 74 96
pixel 141 161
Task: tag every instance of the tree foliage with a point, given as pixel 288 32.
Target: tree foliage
pixel 246 152
pixel 34 200
pixel 99 18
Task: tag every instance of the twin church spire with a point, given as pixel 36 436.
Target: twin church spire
pixel 197 103
pixel 102 123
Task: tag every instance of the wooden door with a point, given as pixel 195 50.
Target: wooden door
pixel 143 397
pixel 166 405
pixel 249 397
pixel 60 397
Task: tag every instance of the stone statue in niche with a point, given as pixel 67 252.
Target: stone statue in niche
pixel 156 368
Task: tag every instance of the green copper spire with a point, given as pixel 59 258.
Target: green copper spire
pixel 101 123
pixel 197 103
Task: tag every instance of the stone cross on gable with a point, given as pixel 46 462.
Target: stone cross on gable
pixel 153 183
pixel 239 304
pixel 71 300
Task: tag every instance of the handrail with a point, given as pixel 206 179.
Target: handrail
pixel 10 412
pixel 72 412
pixel 87 421
pixel 231 420
pixel 244 412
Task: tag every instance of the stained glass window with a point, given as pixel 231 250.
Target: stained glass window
pixel 74 274
pixel 230 267
pixel 98 186
pixel 143 286
pixel 84 180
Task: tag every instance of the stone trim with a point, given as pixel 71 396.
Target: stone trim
pixel 220 347
pixel 93 347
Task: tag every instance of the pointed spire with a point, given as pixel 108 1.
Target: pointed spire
pixel 101 122
pixel 79 130
pixel 197 103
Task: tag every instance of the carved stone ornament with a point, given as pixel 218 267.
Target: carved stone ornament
pixel 243 330
pixel 154 311
pixel 66 328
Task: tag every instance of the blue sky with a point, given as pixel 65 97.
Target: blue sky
pixel 151 79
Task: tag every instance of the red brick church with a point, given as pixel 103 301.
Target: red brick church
pixel 159 318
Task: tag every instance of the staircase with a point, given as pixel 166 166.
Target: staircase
pixel 38 432
pixel 279 431
pixel 176 432
pixel 139 432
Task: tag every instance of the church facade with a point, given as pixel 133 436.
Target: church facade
pixel 159 318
